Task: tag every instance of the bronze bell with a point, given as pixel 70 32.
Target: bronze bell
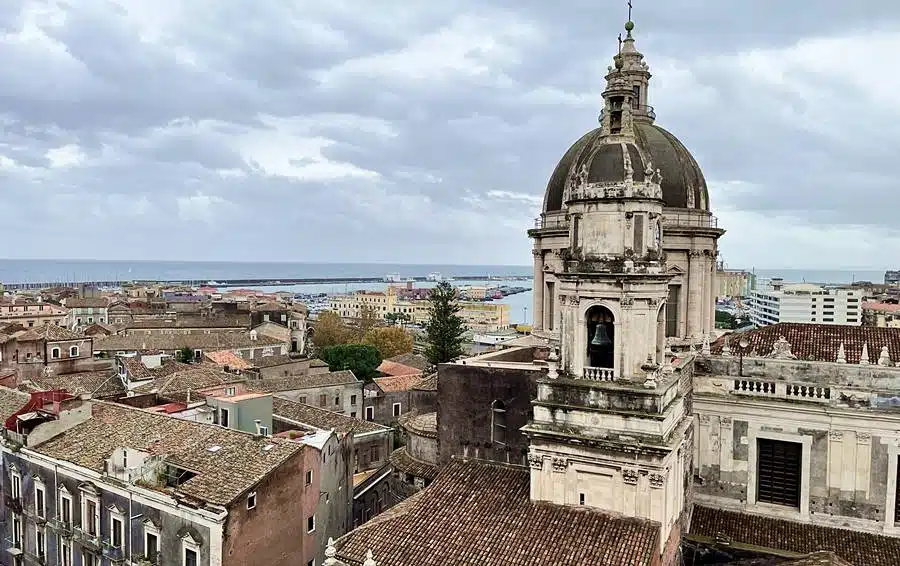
pixel 601 338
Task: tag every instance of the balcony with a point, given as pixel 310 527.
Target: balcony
pixel 690 220
pixel 599 374
pixel 551 223
pixel 14 504
pixel 87 540
pixel 63 528
pixel 113 553
pixel 637 109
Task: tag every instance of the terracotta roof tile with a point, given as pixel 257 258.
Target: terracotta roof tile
pixel 88 302
pixel 393 368
pixel 322 419
pixel 310 381
pixel 194 321
pixel 197 376
pixel 272 361
pixel 421 425
pixel 819 342
pixel 138 371
pixel 222 475
pixel 855 547
pixel 417 361
pixel 429 383
pixel 480 513
pixel 402 461
pixel 11 401
pixel 222 340
pixel 50 333
pixel 106 383
pixel 881 307
pixel 229 358
pixel 395 383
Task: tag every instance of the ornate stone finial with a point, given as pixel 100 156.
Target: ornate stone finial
pixel 841 355
pixel 781 350
pixel 370 560
pixel 553 364
pixel 726 350
pixel 706 348
pixel 884 358
pixel 651 368
pixel 864 356
pixel 330 553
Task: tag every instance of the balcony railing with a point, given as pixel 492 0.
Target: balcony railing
pixel 694 220
pixel 14 503
pixel 599 374
pixel 63 528
pixel 89 541
pixel 640 109
pixel 551 222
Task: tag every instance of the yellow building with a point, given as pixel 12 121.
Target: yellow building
pixel 479 316
pixel 32 314
pixel 881 315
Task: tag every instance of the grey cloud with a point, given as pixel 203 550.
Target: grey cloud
pixel 468 154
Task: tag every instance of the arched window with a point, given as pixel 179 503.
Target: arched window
pixel 600 337
pixel 498 422
pixel 54 353
pixel 73 352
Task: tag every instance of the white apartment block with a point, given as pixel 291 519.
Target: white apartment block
pixel 804 302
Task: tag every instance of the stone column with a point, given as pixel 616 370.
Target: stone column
pixel 694 314
pixel 537 312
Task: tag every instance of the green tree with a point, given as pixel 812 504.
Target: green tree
pixel 390 340
pixel 395 317
pixel 330 330
pixel 445 327
pixel 368 319
pixel 362 359
pixel 726 320
pixel 184 355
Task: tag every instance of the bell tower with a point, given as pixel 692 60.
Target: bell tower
pixel 612 427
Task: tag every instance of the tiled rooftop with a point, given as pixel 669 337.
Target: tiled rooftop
pixel 403 462
pixel 388 367
pixel 429 383
pixel 395 383
pixel 881 307
pixel 100 384
pixel 322 419
pixel 224 340
pixel 818 342
pixel 85 303
pixel 297 382
pixel 417 361
pixel 138 371
pixel 194 321
pixel 422 425
pixel 197 376
pixel 477 514
pixel 11 401
pixel 50 333
pixel 222 475
pixel 271 361
pixel 230 359
pixel 857 548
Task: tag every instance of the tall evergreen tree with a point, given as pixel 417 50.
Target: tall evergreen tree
pixel 445 327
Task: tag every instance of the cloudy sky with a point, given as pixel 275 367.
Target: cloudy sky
pixel 424 132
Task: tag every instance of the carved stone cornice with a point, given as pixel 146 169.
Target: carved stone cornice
pixel 559 464
pixel 630 476
pixel 536 462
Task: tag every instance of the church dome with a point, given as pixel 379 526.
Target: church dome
pixel 683 185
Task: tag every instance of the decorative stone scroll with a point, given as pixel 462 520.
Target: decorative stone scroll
pixel 836 435
pixel 559 464
pixel 536 461
pixel 657 480
pixel 863 438
pixel 781 350
pixel 630 476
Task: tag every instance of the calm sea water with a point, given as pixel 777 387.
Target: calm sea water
pixel 520 304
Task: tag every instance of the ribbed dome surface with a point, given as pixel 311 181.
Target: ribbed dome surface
pixel 683 185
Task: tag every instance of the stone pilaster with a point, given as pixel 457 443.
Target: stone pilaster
pixel 537 312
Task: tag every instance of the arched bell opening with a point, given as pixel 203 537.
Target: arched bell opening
pixel 601 337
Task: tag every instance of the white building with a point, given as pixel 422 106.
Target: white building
pixel 804 302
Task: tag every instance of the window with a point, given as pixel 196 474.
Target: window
pixel 323 400
pixel 353 415
pixel 198 354
pixel 65 551
pixel 251 500
pixel 90 516
pixel 65 508
pixel 353 399
pixel 16 485
pixel 498 422
pixel 151 542
pixel 54 353
pixel 230 391
pixel 17 532
pixel 581 499
pixel 264 430
pixel 396 409
pixel 40 507
pixel 73 351
pixel 117 527
pixel 311 524
pixel 90 320
pixel 89 558
pixel 302 399
pixel 375 453
pixel 370 413
pixel 190 557
pixel 778 472
pixel 337 400
pixel 308 477
pixel 223 418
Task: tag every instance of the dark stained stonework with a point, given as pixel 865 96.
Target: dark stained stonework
pixel 683 184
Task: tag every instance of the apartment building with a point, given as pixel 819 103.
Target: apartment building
pixel 31 314
pixel 882 315
pixel 804 302
pixel 90 483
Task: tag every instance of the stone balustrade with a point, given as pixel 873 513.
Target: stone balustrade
pixel 599 374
